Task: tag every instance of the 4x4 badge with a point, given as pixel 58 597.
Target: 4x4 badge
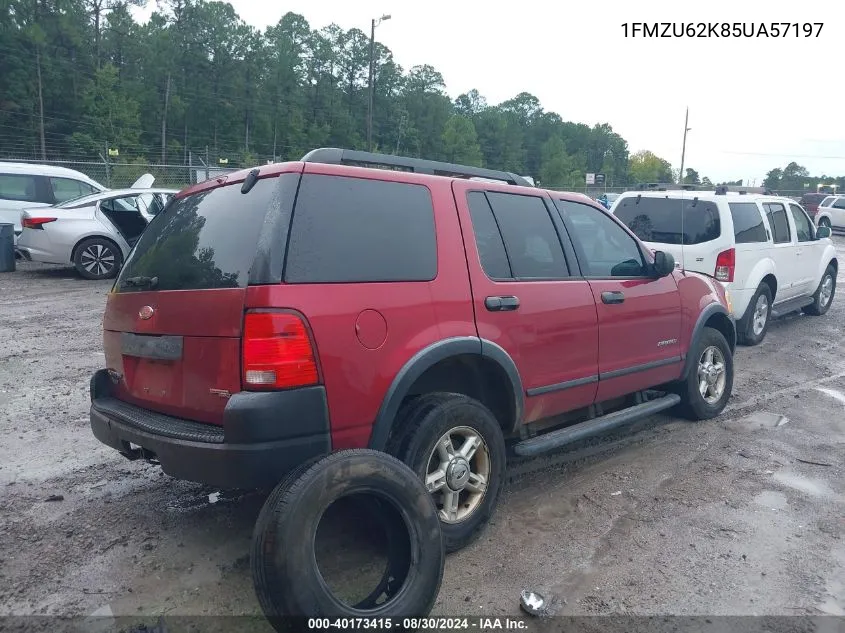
pixel 146 312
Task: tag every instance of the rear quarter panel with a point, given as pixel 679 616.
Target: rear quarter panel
pixel 413 315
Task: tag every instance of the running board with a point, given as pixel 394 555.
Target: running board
pixel 790 305
pixel 596 426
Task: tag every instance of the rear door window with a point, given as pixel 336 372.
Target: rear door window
pixel 19 187
pixel 203 241
pixel 532 243
pixel 748 223
pixel 777 220
pixel 67 189
pixel 355 230
pixel 488 239
pixel 659 219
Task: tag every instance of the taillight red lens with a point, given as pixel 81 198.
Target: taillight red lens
pixel 36 223
pixel 277 352
pixel 725 265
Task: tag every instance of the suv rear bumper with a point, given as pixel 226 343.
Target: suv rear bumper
pixel 263 437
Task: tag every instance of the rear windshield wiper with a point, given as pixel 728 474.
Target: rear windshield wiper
pixel 141 282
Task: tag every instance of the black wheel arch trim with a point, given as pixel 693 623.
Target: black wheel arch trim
pixel 428 357
pixel 698 329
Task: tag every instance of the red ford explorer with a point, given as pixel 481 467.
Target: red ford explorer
pixel 446 314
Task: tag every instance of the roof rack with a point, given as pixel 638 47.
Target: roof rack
pixel 337 156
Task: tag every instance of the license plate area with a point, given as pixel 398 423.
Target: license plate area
pixel 161 348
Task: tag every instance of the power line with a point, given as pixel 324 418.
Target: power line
pixel 785 155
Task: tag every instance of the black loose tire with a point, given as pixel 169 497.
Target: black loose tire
pixel 747 335
pixel 693 404
pixel 820 306
pixel 287 580
pixel 419 427
pixel 97 258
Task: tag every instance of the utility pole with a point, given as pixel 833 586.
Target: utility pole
pixel 684 148
pixel 374 23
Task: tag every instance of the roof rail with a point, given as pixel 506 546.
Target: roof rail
pixel 337 156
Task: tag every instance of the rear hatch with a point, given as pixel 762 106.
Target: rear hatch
pixel 174 317
pixel 659 222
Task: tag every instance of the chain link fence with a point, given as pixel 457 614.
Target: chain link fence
pixel 116 175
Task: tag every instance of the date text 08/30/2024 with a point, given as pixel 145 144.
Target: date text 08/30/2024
pixel 722 29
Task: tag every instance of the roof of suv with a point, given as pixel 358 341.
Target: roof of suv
pixel 385 167
pixel 711 196
pixel 37 169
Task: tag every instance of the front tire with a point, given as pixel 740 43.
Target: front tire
pixel 824 294
pixel 456 446
pixel 97 258
pixel 707 388
pixel 759 314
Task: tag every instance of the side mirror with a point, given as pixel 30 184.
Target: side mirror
pixel 664 264
pixel 823 232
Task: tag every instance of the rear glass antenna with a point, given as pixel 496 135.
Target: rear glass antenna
pixel 681 182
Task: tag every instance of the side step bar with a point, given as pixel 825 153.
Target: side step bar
pixel 596 426
pixel 790 305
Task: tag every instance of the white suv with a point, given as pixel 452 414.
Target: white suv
pixel 27 185
pixel 832 212
pixel 765 249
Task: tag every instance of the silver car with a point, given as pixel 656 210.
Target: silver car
pixel 94 233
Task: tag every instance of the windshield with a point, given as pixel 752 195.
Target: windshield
pixel 659 219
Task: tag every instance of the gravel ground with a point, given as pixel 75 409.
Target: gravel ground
pixel 736 516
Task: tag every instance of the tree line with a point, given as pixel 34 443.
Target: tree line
pixel 81 79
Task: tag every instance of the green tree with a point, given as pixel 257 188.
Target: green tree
pixel 112 117
pixel 470 103
pixel 460 141
pixel 645 167
pixel 692 177
pixel 559 170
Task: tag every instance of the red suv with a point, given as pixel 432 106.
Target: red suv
pixel 439 312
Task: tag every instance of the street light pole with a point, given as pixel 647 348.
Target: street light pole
pixel 684 148
pixel 370 82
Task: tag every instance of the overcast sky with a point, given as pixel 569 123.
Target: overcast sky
pixel 755 103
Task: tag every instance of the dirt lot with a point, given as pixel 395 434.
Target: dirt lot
pixel 736 516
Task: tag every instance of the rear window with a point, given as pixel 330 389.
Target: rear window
pixel 355 230
pixel 659 219
pixel 203 241
pixel 748 223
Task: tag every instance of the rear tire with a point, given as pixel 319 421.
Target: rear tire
pixel 707 388
pixel 436 433
pixel 823 297
pixel 758 316
pixel 288 581
pixel 97 258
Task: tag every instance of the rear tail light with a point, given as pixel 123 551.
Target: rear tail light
pixel 725 265
pixel 36 223
pixel 277 352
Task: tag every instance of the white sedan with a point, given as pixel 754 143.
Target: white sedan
pixel 94 233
